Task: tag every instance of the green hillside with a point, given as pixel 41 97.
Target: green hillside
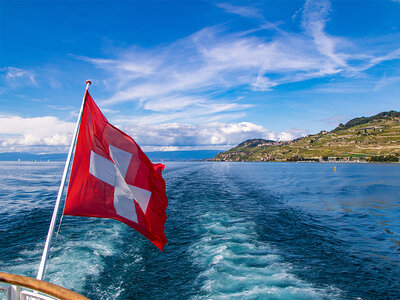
pixel 375 138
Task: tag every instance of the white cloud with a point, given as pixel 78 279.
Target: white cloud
pixel 288 135
pixel 41 126
pixel 186 148
pixel 314 18
pixel 186 73
pixel 182 86
pixel 335 120
pixel 131 66
pixel 16 76
pixel 263 83
pixel 57 140
pixel 49 134
pixel 172 103
pixel 386 81
pixel 208 135
pixel 62 108
pixel 137 66
pixel 244 11
pixel 109 111
pixel 45 133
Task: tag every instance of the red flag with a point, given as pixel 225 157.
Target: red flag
pixel 111 177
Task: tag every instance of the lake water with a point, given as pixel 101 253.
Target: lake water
pixel 235 230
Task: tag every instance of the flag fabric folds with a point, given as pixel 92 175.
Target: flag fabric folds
pixel 111 177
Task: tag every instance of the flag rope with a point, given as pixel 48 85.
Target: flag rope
pixel 45 253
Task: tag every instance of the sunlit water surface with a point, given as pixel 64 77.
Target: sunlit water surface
pixel 235 230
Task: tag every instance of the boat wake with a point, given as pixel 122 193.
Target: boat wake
pixel 236 265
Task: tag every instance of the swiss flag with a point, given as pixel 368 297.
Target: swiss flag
pixel 111 177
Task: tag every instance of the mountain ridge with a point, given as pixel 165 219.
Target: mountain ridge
pixel 363 139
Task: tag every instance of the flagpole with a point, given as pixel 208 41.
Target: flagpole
pixel 45 254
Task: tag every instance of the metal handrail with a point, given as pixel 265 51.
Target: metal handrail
pixel 41 286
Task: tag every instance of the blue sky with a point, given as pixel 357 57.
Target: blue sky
pixel 194 74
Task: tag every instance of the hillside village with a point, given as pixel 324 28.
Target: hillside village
pixel 365 139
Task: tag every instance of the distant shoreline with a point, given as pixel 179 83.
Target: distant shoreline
pixel 324 162
pixel 220 161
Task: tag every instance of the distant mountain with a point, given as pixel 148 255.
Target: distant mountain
pixel 365 120
pixel 187 155
pixel 375 138
pixel 154 156
pixel 259 143
pixel 24 156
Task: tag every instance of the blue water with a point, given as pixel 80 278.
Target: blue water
pixel 235 230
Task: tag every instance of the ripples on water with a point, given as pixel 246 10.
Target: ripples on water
pixel 235 230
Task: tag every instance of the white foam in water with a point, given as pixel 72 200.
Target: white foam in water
pixel 73 260
pixel 83 244
pixel 236 265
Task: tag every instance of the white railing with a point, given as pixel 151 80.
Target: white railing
pixel 27 295
pixel 17 287
pixel 4 292
pixel 14 292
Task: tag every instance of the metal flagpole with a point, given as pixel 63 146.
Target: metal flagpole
pixel 45 254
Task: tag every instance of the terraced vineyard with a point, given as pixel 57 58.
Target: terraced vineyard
pixel 375 138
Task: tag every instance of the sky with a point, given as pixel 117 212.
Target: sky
pixel 194 75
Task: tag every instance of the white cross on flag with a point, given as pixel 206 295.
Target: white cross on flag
pixel 111 177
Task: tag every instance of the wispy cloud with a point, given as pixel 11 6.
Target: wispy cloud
pixel 314 18
pixel 110 111
pixel 335 120
pixel 386 81
pixel 62 108
pixel 199 89
pixel 252 13
pixel 200 113
pixel 16 76
pixel 129 67
pixel 185 74
pixel 353 87
pixel 243 11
